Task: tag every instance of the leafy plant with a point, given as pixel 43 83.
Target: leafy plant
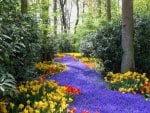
pixel 7 85
pixel 19 41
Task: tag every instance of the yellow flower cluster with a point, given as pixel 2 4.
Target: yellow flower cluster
pixel 40 97
pixel 77 55
pixel 50 67
pixel 3 107
pixel 127 82
pixel 89 62
pixel 88 59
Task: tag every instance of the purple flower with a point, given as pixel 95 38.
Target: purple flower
pixel 94 93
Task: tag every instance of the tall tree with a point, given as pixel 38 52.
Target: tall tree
pixel 127 36
pixel 77 20
pixel 63 20
pixel 45 28
pixel 83 10
pixel 55 16
pixel 108 9
pixel 24 6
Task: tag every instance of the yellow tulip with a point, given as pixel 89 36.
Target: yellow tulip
pixel 21 106
pixel 12 105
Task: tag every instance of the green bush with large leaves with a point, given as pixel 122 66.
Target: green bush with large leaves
pixel 7 85
pixel 142 44
pixel 18 39
pixel 106 45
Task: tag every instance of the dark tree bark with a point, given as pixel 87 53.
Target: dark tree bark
pixel 64 23
pixel 127 36
pixel 108 9
pixel 83 11
pixel 24 6
pixel 55 17
pixel 77 20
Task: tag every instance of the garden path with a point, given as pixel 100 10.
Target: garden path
pixel 94 93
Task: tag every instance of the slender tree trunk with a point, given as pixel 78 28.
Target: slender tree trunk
pixel 99 7
pixel 127 36
pixel 24 6
pixel 83 11
pixel 69 16
pixel 55 16
pixel 77 20
pixel 64 23
pixel 108 9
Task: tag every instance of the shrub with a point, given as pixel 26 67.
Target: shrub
pixel 19 41
pixel 105 45
pixel 7 85
pixel 142 44
pixel 87 45
pixel 48 48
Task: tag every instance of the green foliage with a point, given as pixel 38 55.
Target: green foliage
pixel 63 43
pixel 142 44
pixel 106 45
pixel 7 84
pixel 48 48
pixel 19 41
pixel 87 45
pixel 142 7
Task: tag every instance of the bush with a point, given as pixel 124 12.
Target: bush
pixel 19 41
pixel 48 48
pixel 7 85
pixel 142 44
pixel 87 45
pixel 64 43
pixel 105 45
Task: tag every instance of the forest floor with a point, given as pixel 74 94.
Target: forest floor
pixel 95 97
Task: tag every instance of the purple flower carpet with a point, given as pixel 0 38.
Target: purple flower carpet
pixel 95 97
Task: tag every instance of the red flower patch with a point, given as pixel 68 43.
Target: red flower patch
pixel 72 90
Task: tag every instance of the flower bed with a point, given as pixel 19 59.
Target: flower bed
pixel 129 82
pixel 89 62
pixel 50 68
pixel 40 97
pixel 62 55
pixel 92 63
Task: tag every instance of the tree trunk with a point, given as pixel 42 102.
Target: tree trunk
pixel 64 23
pixel 127 36
pixel 55 16
pixel 24 6
pixel 108 9
pixel 77 20
pixel 83 11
